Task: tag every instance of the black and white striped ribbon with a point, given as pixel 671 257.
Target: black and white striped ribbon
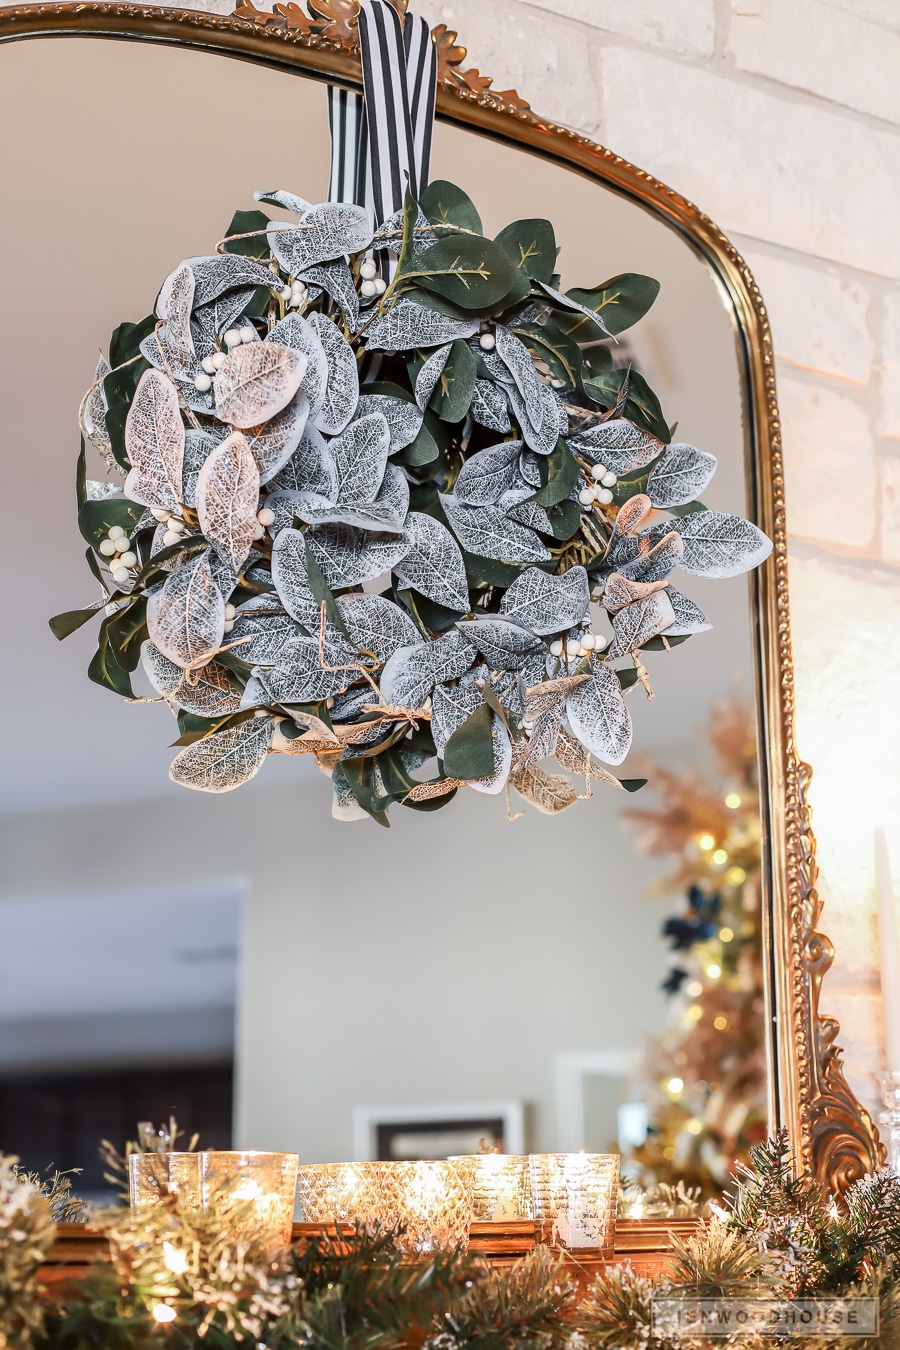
pixel 380 138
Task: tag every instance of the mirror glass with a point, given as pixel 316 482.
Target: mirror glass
pixel 277 979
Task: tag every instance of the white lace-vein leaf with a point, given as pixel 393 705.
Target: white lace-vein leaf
pixel 689 617
pixel 228 497
pixel 639 622
pixel 291 579
pixel 179 289
pixel 198 446
pixel 547 604
pixel 222 272
pixel 342 388
pixel 299 678
pixel 268 627
pixel 213 694
pixel 224 761
pixel 348 557
pixel 618 444
pixel 717 544
pixel 387 513
pixel 434 565
pixel 360 456
pixel 327 231
pixel 517 359
pixel 489 407
pixel 430 373
pixel 298 333
pixel 404 419
pixel 485 476
pixel 154 443
pixel 488 532
pixel 310 468
pixel 186 618
pixel 680 475
pixel 503 645
pixel 412 672
pixel 407 326
pixel 375 624
pixel 273 443
pixel 599 717
pixel 255 381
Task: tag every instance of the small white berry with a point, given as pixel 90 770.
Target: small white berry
pixel 556 647
pixel 128 559
pixel 587 642
pixel 266 516
pixel 557 383
pixel 609 480
pixel 122 543
pixel 586 496
pixel 158 513
pixel 116 531
pixel 368 270
pixel 218 360
pixel 248 333
pixel 285 292
pixel 176 523
pixel 170 537
pixel 229 624
pixel 598 471
pixel 380 285
pixel 207 364
pixel 258 531
pixel 573 646
pixel 600 642
pixel 107 547
pixel 121 575
pixel 202 382
pixel 230 612
pixel 232 338
pixel 368 289
pixel 487 342
pixel 604 496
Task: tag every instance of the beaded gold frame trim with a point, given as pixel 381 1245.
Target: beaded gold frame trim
pixel 834 1136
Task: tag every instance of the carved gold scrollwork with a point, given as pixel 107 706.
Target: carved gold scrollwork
pixel 834 1136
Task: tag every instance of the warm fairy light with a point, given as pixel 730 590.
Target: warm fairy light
pixel 733 801
pixel 726 935
pixel 694 1126
pixel 694 1012
pixel 174 1259
pixel 720 1023
pixel 674 1086
pixel 669 1152
pixel 694 989
pixel 714 971
pixel 720 857
pixel 163 1313
pixel 735 876
pixel 706 842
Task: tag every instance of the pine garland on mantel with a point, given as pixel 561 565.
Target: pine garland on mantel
pixel 776 1237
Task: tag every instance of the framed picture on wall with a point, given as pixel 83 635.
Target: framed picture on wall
pixel 408 1133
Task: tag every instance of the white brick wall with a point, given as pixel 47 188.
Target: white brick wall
pixel 781 119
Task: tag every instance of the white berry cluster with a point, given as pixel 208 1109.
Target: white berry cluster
pixel 117 547
pixel 579 646
pixel 174 524
pixel 372 284
pixel 294 296
pixel 232 338
pixel 600 489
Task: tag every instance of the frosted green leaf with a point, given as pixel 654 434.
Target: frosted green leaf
pixel 272 444
pixel 681 475
pixel 255 381
pixel 540 437
pixel 179 299
pixel 291 579
pixel 268 628
pixel 504 645
pixel 298 333
pixel 547 604
pixel 489 407
pixel 620 591
pixel 387 513
pixel 412 672
pixel 228 497
pixel 310 468
pixel 717 544
pixel 485 476
pixel 407 326
pixel 330 230
pixel 599 717
pixel 288 200
pixel 404 419
pixel 228 272
pixel 342 388
pixel 618 444
pixel 212 695
pixel 689 618
pixel 430 373
pixel 336 280
pixel 224 761
pixel 348 557
pixel 636 624
pixel 488 532
pixel 530 513
pixel 651 556
pixel 433 566
pixel 298 678
pixel 186 617
pixel 360 457
pixel 375 624
pixel 517 359
pixel 344 805
pixel 198 446
pixel 154 443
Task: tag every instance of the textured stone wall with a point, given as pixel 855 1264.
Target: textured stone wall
pixel 781 120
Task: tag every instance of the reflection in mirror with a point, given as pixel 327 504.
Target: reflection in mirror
pixel 460 976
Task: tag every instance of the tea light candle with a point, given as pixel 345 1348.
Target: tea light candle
pixel 575 1199
pixel 340 1192
pixel 501 1186
pixel 433 1200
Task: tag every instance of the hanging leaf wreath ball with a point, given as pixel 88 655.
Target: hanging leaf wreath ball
pixel 389 501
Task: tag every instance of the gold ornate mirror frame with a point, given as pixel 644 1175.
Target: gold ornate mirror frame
pixel 834 1136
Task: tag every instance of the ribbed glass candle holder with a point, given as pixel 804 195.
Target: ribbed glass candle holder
pixel 433 1200
pixel 575 1199
pixel 340 1192
pixel 501 1186
pixel 268 1180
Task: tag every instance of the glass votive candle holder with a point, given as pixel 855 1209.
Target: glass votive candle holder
pixel 153 1175
pixel 434 1202
pixel 575 1198
pixel 501 1186
pixel 340 1192
pixel 267 1180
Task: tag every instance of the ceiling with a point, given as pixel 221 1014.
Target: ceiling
pixel 134 157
